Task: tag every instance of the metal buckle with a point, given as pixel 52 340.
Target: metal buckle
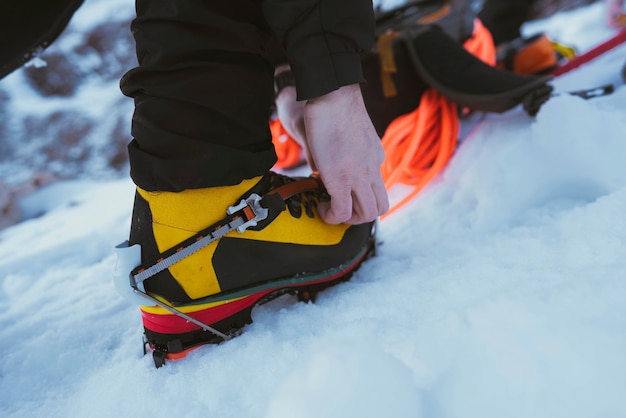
pixel 254 203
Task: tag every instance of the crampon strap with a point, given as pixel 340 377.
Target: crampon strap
pixel 247 213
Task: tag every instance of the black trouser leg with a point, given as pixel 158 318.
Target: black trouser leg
pixel 203 92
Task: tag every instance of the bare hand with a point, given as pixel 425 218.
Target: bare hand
pixel 291 114
pixel 343 146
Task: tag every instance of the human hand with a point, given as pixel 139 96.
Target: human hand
pixel 291 114
pixel 342 145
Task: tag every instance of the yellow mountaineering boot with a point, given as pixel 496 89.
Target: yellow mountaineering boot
pixel 218 284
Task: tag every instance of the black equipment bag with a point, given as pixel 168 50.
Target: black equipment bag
pixel 420 45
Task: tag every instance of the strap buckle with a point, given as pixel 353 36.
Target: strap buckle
pixel 252 210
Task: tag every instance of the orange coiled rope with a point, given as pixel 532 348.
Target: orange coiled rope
pixel 419 145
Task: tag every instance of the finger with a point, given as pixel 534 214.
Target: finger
pixel 309 157
pixel 382 198
pixel 339 209
pixel 364 206
pixel 295 128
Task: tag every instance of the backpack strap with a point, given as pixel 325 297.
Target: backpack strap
pixel 462 77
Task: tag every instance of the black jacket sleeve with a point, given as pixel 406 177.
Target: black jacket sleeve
pixel 324 40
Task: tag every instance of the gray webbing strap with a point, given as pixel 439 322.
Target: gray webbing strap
pixel 247 213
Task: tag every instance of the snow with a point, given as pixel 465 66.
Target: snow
pixel 498 292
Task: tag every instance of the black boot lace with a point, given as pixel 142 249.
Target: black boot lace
pixel 307 200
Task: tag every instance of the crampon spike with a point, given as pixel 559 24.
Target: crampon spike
pixel 307 295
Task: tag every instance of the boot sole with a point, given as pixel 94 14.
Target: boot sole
pixel 231 311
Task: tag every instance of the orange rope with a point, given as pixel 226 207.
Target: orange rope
pixel 419 145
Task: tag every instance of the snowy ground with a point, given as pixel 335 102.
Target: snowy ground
pixel 499 292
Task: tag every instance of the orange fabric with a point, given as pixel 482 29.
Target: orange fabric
pixel 535 58
pixel 481 44
pixel 419 145
pixel 287 149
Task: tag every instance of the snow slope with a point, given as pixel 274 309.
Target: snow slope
pixel 499 292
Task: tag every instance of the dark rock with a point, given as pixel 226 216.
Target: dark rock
pixel 60 137
pixel 59 77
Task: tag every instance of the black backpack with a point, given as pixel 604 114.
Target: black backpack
pixel 420 45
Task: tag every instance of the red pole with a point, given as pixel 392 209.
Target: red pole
pixel 592 54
